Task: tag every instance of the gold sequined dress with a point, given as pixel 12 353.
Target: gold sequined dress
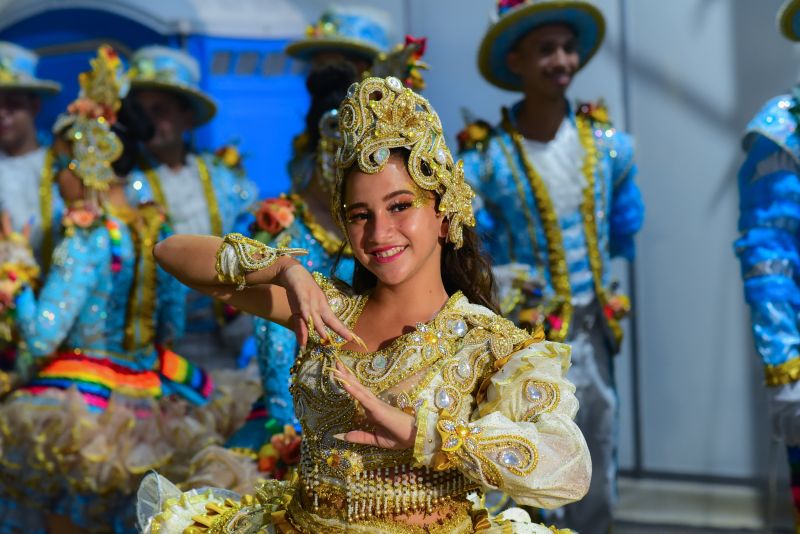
pixel 493 408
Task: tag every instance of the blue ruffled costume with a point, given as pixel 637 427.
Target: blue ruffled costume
pixel 87 424
pixel 769 186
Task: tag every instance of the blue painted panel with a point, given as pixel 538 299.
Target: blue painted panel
pixel 262 99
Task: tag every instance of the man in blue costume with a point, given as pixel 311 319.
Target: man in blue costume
pixel 769 226
pixel 558 201
pixel 200 193
pixel 25 166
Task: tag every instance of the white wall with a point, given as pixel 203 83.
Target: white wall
pixel 699 69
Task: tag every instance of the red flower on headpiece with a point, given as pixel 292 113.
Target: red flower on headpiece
pixel 421 41
pixel 506 5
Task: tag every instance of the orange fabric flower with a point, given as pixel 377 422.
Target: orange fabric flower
pixel 81 217
pixel 275 214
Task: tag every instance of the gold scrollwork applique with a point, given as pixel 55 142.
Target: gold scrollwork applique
pixel 465 446
pixel 543 396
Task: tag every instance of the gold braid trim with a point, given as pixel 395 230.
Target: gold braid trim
pixel 329 241
pixel 559 273
pixel 783 373
pixel 211 197
pixel 142 305
pixel 590 229
pixel 46 208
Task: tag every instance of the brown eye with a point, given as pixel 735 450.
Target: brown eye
pixel 400 206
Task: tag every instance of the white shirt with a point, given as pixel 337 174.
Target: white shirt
pixel 20 177
pixel 560 164
pixel 186 200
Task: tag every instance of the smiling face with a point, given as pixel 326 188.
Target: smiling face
pixel 546 60
pixel 394 228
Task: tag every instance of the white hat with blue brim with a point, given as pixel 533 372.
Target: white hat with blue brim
pixel 356 31
pixel 175 71
pixel 18 71
pixel 516 18
pixel 789 20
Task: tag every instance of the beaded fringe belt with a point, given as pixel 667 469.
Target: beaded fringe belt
pixel 384 492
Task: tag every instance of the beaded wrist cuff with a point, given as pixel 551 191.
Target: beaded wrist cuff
pixel 239 255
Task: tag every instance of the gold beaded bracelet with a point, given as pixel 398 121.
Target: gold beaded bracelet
pixel 239 255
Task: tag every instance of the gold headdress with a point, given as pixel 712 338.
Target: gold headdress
pixel 380 114
pixel 87 123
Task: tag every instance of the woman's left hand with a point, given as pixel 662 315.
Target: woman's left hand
pixel 392 428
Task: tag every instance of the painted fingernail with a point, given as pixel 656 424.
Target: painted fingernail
pixel 359 341
pixel 343 381
pixel 340 437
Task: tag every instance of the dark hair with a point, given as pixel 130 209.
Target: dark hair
pixel 466 269
pixel 327 85
pixel 133 128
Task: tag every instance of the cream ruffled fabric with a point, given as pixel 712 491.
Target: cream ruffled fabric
pixel 220 467
pixel 53 443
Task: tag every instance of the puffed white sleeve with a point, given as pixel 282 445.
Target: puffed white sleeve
pixel 516 432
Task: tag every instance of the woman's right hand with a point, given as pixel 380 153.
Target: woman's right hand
pixel 310 308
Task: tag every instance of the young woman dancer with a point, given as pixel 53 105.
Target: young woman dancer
pixel 412 392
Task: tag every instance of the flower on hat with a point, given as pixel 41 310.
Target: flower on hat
pixel 507 5
pixel 325 27
pixel 473 135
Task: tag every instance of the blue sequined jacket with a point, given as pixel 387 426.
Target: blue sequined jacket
pixel 769 226
pixel 87 308
pixel 518 224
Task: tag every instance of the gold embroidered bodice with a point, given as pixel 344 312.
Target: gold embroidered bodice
pixel 493 409
pixel 442 372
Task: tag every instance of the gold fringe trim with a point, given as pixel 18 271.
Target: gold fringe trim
pixel 46 208
pixel 559 273
pixel 783 373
